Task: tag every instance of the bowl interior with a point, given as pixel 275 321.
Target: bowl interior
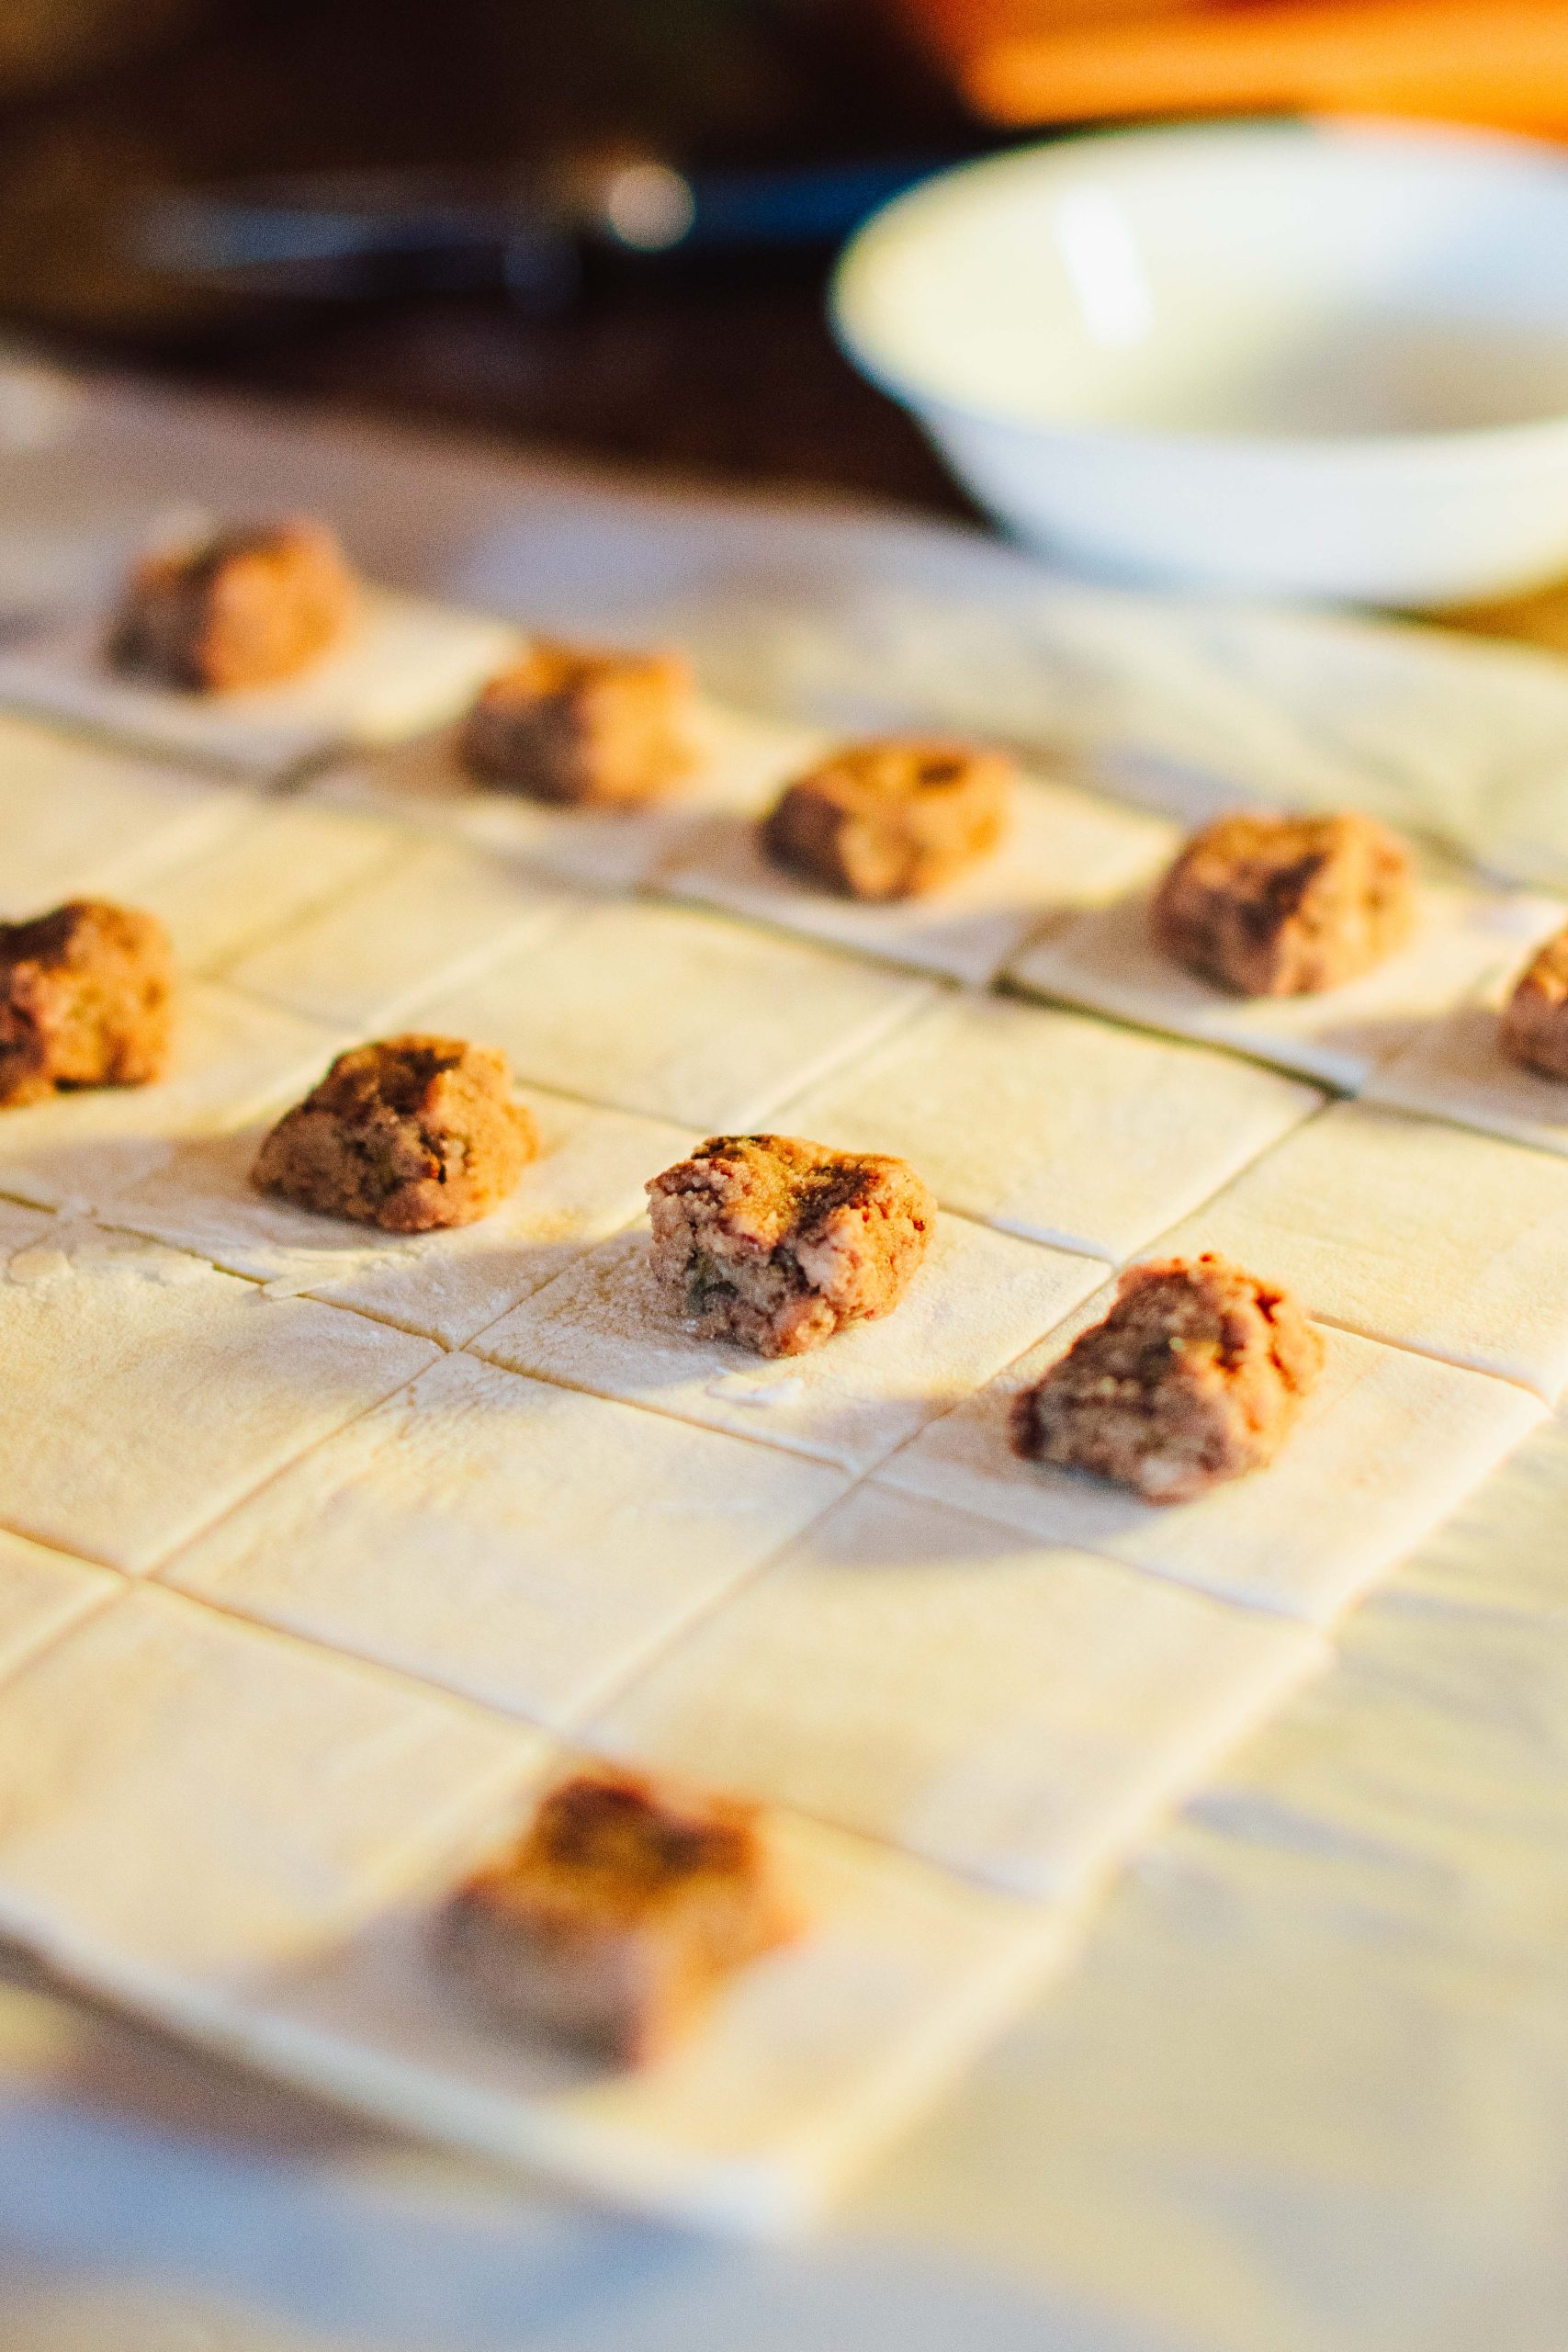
pixel 1279 281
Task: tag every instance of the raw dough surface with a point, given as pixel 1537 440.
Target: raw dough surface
pixel 286 860
pixel 194 1799
pixel 1013 1711
pixel 408 665
pixel 78 821
pixel 42 1592
pixel 523 1544
pixel 586 1183
pixel 1063 850
pixel 1387 1446
pixel 1109 963
pixel 976 1302
pixel 1456 1068
pixel 808 2063
pixel 682 1016
pixel 434 915
pixel 1063 1129
pixel 1411 1231
pixel 149 1393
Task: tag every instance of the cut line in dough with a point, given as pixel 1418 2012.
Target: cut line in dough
pixel 1017 1712
pixel 678 1015
pixel 1109 963
pixel 523 1546
pixel 149 1393
pixel 1053 1125
pixel 586 1183
pixel 1387 1446
pixel 1412 1232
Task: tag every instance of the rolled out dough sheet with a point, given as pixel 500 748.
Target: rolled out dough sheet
pixel 1053 1125
pixel 682 1016
pixel 1412 1232
pixel 148 1392
pixel 1457 1070
pixel 1014 1711
pixel 78 821
pixel 586 1183
pixel 198 1799
pixel 231 1053
pixel 810 2060
pixel 1387 1446
pixel 434 915
pixel 741 764
pixel 409 665
pixel 42 1592
pixel 523 1546
pixel 1108 962
pixel 979 1300
pixel 1063 850
pixel 284 862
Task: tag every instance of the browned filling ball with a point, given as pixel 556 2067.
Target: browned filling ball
pixel 1535 1019
pixel 408 1134
pixel 86 998
pixel 619 1912
pixel 778 1243
pixel 1286 906
pixel 255 604
pixel 583 728
pixel 891 820
pixel 1196 1375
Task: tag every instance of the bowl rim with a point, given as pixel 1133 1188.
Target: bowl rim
pixel 1481 446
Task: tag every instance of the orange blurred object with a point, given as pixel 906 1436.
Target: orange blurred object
pixel 1017 62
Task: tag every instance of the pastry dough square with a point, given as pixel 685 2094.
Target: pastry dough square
pixel 78 821
pixel 191 1801
pixel 284 862
pixel 1017 1712
pixel 1456 1068
pixel 979 1299
pixel 1065 849
pixel 525 1545
pixel 682 1016
pixel 149 1393
pixel 41 1593
pixel 1053 1125
pixel 231 1053
pixel 586 1183
pixel 1108 962
pixel 1411 1231
pixel 811 2060
pixel 410 664
pixel 436 913
pixel 1387 1446
pixel 742 762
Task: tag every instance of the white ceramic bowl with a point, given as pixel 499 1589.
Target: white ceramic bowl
pixel 1319 359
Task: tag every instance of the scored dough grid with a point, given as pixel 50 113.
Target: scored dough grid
pixel 951 1672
